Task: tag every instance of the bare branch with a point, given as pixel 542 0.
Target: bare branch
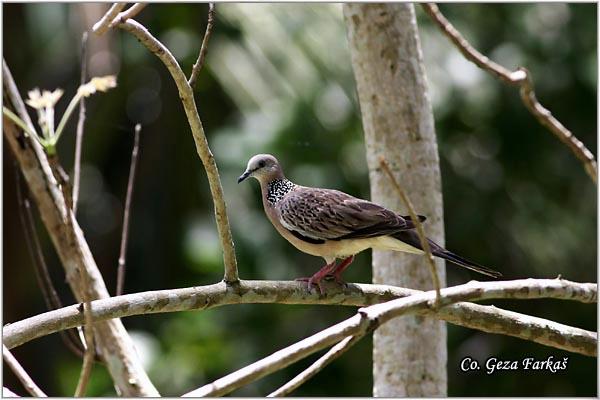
pixel 115 344
pixel 6 392
pixel 80 124
pixel 20 372
pixel 369 318
pixel 125 232
pixel 85 287
pixel 317 366
pixel 355 325
pixel 42 275
pixel 522 78
pixel 86 369
pixel 129 13
pixel 418 225
pixel 486 318
pixel 203 49
pixel 102 26
pixel 189 104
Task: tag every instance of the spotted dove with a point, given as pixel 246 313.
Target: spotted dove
pixel 334 225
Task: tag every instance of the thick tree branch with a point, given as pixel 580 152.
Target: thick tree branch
pixel 486 318
pixel 20 372
pixel 186 95
pixel 66 235
pixel 204 47
pixel 369 318
pixel 521 78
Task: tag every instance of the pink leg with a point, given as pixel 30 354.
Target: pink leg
pixel 337 272
pixel 318 276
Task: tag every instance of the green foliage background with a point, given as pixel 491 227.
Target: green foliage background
pixel 278 79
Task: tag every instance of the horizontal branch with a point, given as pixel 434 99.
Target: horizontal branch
pixel 486 318
pixel 369 318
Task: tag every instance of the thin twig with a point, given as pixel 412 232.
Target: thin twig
pixel 86 368
pixel 101 26
pixel 418 225
pixel 317 366
pixel 80 124
pixel 203 49
pixel 129 13
pixel 42 275
pixel 127 210
pixel 20 372
pixel 521 78
pixel 369 318
pixel 186 95
pixel 485 318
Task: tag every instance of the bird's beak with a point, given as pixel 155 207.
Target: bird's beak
pixel 244 176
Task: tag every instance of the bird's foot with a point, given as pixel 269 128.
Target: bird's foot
pixel 337 278
pixel 310 283
pixel 336 273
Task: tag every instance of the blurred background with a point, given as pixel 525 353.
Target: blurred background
pixel 278 80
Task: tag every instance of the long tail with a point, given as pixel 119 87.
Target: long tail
pixel 412 238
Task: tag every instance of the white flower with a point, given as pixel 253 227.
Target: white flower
pixel 46 99
pixel 100 83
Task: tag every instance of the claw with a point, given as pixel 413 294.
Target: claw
pixel 338 279
pixel 318 277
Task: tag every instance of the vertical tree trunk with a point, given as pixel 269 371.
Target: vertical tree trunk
pixel 409 355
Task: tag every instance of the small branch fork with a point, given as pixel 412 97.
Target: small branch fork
pixel 413 215
pixel 369 318
pixel 20 372
pixel 103 25
pixel 521 78
pixel 186 95
pixel 333 353
pixel 125 233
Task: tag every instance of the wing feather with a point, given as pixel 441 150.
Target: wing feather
pixel 324 214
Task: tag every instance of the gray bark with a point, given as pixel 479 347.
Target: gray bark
pixel 409 355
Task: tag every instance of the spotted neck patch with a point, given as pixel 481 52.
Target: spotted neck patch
pixel 278 188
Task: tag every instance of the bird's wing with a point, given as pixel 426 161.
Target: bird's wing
pixel 324 214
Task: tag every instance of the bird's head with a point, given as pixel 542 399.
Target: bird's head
pixel 263 167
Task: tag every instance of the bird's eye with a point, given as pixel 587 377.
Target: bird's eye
pixel 261 163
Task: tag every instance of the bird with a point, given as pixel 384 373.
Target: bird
pixel 335 225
